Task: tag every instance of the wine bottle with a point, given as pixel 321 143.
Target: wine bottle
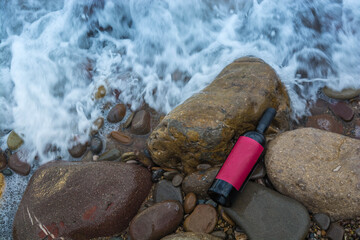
pixel 241 161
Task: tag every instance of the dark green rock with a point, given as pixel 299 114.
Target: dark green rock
pixel 266 214
pixel 111 155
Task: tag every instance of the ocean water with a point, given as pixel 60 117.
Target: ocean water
pixel 55 54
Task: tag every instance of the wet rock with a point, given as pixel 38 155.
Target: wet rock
pixel 100 93
pixel 342 110
pixel 88 157
pixel 219 234
pixel 142 158
pixel 7 172
pixel 259 171
pixel 156 175
pixel 132 162
pixel 189 202
pixel 170 175
pixel 206 123
pixel 325 122
pixel 319 107
pixel 78 150
pixel 203 167
pixel 177 180
pixel 199 182
pixel 140 124
pixel 121 137
pixel 319 169
pixel 97 125
pixel 202 219
pixel 111 155
pixel 190 236
pixel 2 184
pixel 14 141
pixel 261 211
pixel 335 232
pixel 102 198
pixel 117 113
pixel 128 156
pixel 18 166
pixel 345 94
pixel 129 120
pixel 156 221
pixel 164 190
pixel 96 145
pixel 3 161
pixel 322 220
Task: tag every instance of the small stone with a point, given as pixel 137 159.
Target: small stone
pixel 3 162
pixel 7 172
pixel 190 236
pixel 177 180
pixel 111 155
pixel 156 221
pixel 14 141
pixel 322 220
pixel 199 182
pixel 20 167
pixel 342 110
pixel 335 232
pixel 78 150
pixel 219 234
pixel 227 218
pixel 97 125
pixel 129 120
pixel 132 162
pixel 203 219
pixel 203 167
pixel 117 113
pixel 141 157
pixel 211 202
pixel 164 190
pixel 323 233
pixel 345 94
pixel 121 137
pixel 170 175
pixel 96 145
pixel 96 158
pixel 2 184
pixel 88 157
pixel 100 93
pixel 141 123
pixel 259 171
pixel 189 202
pixel 240 236
pixel 156 175
pixel 128 156
pixel 357 231
pixel 325 122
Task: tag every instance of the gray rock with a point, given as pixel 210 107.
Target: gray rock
pixel 177 180
pixel 259 171
pixel 190 236
pixel 111 155
pixel 322 220
pixel 219 234
pixel 164 190
pixel 347 93
pixel 199 182
pixel 96 145
pixel 266 214
pixel 335 232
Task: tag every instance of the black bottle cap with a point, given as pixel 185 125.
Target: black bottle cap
pixel 265 120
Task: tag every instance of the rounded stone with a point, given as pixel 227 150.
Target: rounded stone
pixel 170 175
pixel 140 124
pixel 97 125
pixel 7 172
pixel 319 169
pixel 322 220
pixel 345 94
pixel 325 122
pixel 2 184
pixel 203 219
pixel 156 221
pixel 357 231
pixel 199 182
pixel 111 155
pixel 342 110
pixel 3 161
pixel 164 190
pixel 189 202
pixel 190 236
pixel 100 93
pixel 117 113
pixel 177 180
pixel 78 150
pixel 207 122
pixel 121 137
pixel 203 167
pixel 335 232
pixel 129 120
pixel 96 145
pixel 219 234
pixel 14 141
pixel 18 166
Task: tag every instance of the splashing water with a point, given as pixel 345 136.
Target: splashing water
pixel 54 55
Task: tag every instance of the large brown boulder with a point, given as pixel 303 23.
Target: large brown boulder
pixel 80 200
pixel 202 128
pixel 319 169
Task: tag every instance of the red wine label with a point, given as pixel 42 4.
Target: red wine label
pixel 240 161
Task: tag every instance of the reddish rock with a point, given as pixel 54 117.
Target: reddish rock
pixel 20 167
pixel 3 161
pixel 342 110
pixel 319 107
pixel 156 221
pixel 80 200
pixel 140 124
pixel 121 137
pixel 117 113
pixel 325 122
pixel 78 150
pixel 199 182
pixel 189 202
pixel 203 219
